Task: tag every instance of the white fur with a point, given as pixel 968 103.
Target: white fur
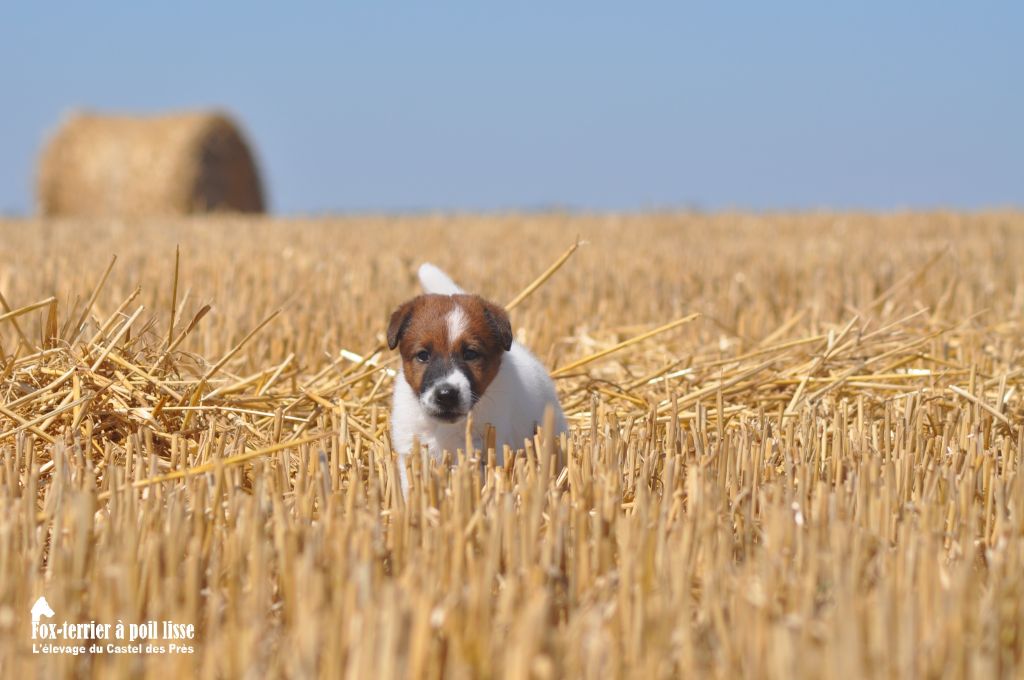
pixel 457 324
pixel 434 280
pixel 514 402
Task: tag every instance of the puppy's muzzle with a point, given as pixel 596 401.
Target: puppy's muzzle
pixel 447 397
pixel 446 402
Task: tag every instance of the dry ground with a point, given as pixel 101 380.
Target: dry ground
pixel 818 477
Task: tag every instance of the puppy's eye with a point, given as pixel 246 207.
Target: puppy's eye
pixel 470 354
pixel 422 356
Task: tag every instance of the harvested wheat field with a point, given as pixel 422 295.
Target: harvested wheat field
pixel 817 476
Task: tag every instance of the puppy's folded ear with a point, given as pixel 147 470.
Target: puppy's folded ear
pixel 399 322
pixel 497 321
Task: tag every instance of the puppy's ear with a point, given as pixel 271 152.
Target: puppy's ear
pixel 497 321
pixel 399 322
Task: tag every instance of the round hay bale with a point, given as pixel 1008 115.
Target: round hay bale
pixel 126 166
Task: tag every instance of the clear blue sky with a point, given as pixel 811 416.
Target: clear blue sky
pixel 581 105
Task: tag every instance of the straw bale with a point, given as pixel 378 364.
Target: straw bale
pixel 126 166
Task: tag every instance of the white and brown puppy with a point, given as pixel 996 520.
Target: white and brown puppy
pixel 458 356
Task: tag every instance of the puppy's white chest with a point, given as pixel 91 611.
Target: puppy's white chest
pixel 410 422
pixel 514 405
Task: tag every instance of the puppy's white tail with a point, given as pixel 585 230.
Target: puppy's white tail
pixel 434 280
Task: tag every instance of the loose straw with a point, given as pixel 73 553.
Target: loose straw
pixel 80 324
pixel 27 308
pixel 539 281
pixel 625 343
pixel 225 462
pixel 46 416
pixel 970 397
pixel 197 395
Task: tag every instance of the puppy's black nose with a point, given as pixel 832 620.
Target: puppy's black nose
pixel 446 396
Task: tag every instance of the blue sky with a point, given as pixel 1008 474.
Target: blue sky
pixel 578 105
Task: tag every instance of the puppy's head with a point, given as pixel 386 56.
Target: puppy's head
pixel 451 347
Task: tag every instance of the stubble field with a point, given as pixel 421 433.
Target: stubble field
pixel 817 476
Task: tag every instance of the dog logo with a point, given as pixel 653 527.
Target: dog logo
pixel 41 608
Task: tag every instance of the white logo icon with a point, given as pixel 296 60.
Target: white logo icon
pixel 41 608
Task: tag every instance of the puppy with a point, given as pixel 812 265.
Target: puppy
pixel 459 357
